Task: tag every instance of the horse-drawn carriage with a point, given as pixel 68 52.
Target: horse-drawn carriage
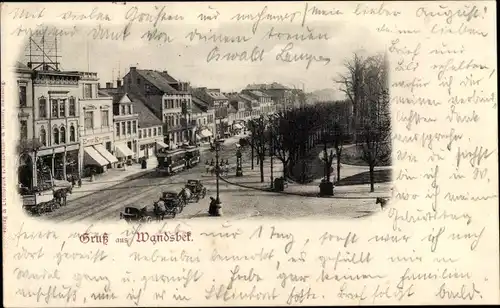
pixel 193 191
pixel 45 198
pixel 169 203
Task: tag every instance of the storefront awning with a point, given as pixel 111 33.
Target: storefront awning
pixel 206 133
pixel 161 144
pixel 123 151
pixel 105 153
pixel 237 126
pixel 92 157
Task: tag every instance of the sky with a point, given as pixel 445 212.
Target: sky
pixel 186 59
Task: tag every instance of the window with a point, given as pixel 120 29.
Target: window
pixel 55 136
pixel 43 136
pixel 62 108
pixel 138 81
pixel 204 121
pixel 159 131
pixel 140 133
pixel 108 146
pixel 62 134
pixel 87 90
pixel 118 129
pixel 72 134
pixel 154 131
pixel 129 145
pixel 123 109
pixel 89 120
pixel 129 127
pixel 24 129
pixel 123 128
pixel 55 110
pixel 149 132
pixel 42 107
pixel 104 118
pixel 72 107
pixel 22 96
pixel 134 127
pixel 129 109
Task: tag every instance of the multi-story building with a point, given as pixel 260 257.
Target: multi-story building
pixel 220 103
pixel 169 99
pixel 204 115
pixel 283 97
pixel 125 123
pixel 241 114
pixel 265 102
pixel 96 129
pixel 27 144
pixel 56 121
pixel 150 137
pixel 252 106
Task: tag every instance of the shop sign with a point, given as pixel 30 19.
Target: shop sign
pixel 95 139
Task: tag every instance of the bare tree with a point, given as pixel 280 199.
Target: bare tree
pixel 375 122
pixel 284 138
pixel 259 141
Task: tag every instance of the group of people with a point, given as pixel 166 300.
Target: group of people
pixel 73 179
pixel 212 167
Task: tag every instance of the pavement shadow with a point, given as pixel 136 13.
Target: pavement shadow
pixel 380 176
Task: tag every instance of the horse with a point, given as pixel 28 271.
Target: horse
pixel 185 195
pixel 60 196
pixel 159 211
pixel 383 202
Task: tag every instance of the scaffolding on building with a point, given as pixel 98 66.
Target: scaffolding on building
pixel 42 52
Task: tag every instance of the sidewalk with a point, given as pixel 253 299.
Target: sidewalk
pixel 251 179
pixel 111 178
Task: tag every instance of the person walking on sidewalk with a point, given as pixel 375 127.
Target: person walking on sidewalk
pixel 207 166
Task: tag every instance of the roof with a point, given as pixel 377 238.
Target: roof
pixel 116 94
pixel 160 80
pixel 146 116
pixel 216 94
pixel 195 108
pixel 203 105
pixel 263 86
pixel 22 67
pixel 259 93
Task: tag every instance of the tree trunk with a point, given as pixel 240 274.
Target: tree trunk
pixel 285 169
pixel 252 154
pixel 338 168
pixel 372 178
pixel 261 168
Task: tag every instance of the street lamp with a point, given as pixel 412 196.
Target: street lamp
pixel 239 168
pixel 216 206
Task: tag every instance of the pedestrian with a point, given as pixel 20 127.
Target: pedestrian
pixel 226 170
pixel 207 166
pixel 211 208
pixel 79 182
pixel 73 181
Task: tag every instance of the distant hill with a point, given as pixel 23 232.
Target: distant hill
pixel 324 95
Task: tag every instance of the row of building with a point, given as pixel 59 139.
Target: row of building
pixel 70 125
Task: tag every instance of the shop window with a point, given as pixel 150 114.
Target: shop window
pixel 42 107
pixel 72 134
pixel 24 129
pixel 62 134
pixel 43 136
pixel 89 120
pixel 55 109
pixel 55 136
pixel 23 100
pixel 104 118
pixel 62 109
pixel 72 107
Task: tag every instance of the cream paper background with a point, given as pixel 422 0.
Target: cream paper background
pixel 467 269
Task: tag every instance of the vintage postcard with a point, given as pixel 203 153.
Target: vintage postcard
pixel 174 154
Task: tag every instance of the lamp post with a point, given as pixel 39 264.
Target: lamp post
pixel 253 136
pixel 217 207
pixel 239 168
pixel 271 154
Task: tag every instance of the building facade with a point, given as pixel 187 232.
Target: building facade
pixel 126 123
pixel 217 100
pixel 56 115
pixel 96 129
pixel 150 134
pixel 204 115
pixel 27 144
pixel 266 104
pixel 169 99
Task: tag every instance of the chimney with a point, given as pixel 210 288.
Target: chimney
pixel 165 72
pixel 133 68
pixel 118 83
pixel 109 85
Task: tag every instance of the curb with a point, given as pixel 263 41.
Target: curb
pixel 299 194
pixel 125 179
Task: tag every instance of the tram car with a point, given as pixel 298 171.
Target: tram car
pixel 192 156
pixel 171 161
